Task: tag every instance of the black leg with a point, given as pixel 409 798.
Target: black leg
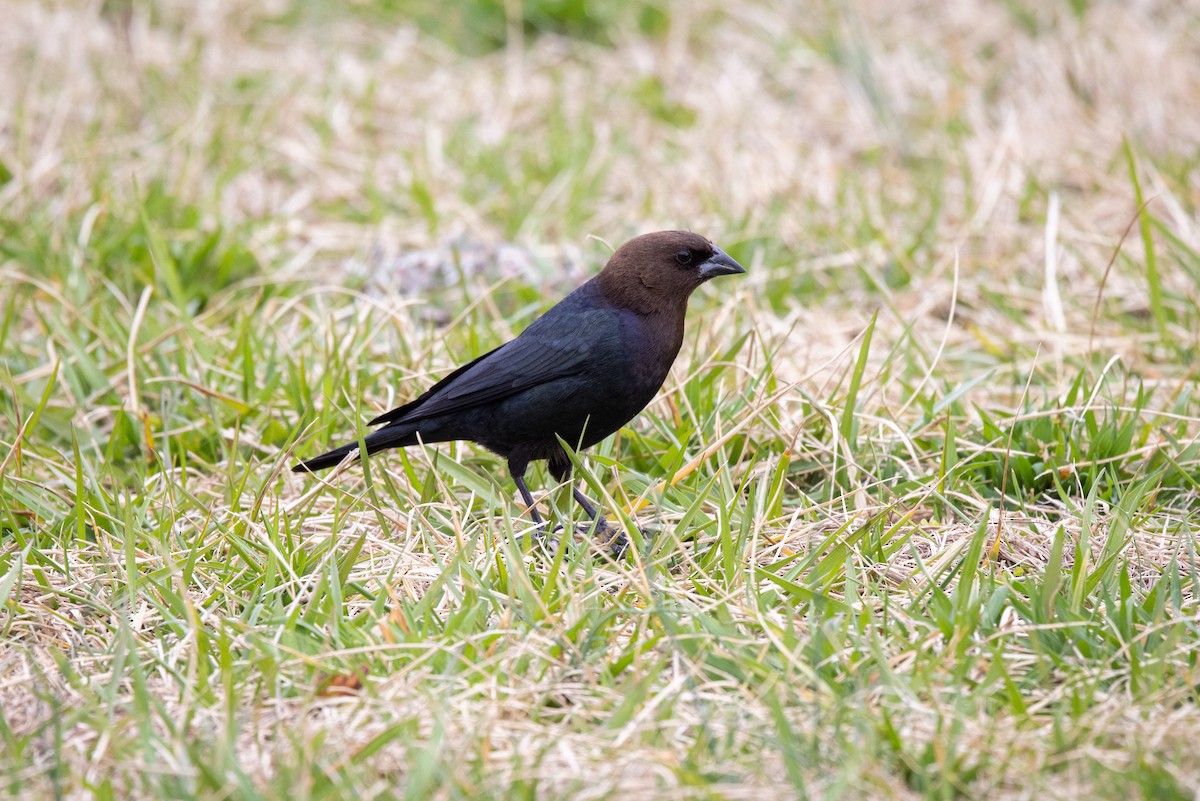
pixel 518 460
pixel 560 469
pixel 583 501
pixel 611 538
pixel 528 498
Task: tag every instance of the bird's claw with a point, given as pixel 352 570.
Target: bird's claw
pixel 548 541
pixel 611 539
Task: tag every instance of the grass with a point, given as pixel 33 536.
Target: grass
pixel 918 501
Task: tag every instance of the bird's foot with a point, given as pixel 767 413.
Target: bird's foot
pixel 545 539
pixel 610 538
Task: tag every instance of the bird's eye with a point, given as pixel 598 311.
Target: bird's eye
pixel 684 257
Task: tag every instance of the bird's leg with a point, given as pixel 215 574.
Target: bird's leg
pixel 583 501
pixel 551 542
pixel 518 461
pixel 527 496
pixel 614 539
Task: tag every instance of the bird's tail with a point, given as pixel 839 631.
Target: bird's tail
pixel 386 437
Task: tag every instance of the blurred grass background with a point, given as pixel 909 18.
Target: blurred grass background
pixel 920 493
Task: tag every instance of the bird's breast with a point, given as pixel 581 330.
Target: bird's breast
pixel 652 343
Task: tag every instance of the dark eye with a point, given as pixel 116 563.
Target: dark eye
pixel 684 257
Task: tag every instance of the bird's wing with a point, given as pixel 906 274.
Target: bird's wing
pixel 400 412
pixel 525 362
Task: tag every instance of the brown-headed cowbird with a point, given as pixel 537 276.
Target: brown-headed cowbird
pixel 580 371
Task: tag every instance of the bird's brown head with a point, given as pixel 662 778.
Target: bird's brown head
pixel 657 272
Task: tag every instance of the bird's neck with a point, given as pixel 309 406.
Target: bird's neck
pixel 625 291
pixel 661 339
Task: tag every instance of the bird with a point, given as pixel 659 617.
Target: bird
pixel 579 372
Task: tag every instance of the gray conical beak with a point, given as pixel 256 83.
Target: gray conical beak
pixel 719 263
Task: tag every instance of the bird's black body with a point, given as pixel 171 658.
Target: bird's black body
pixel 579 372
pixel 557 379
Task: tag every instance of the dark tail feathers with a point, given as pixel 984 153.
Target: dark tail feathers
pixel 325 460
pixel 384 438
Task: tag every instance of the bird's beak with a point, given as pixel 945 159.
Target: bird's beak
pixel 719 263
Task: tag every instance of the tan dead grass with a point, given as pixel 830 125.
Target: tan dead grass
pixel 773 121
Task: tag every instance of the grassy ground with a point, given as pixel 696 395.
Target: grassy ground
pixel 920 496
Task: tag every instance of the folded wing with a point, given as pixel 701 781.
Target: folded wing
pixel 525 362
